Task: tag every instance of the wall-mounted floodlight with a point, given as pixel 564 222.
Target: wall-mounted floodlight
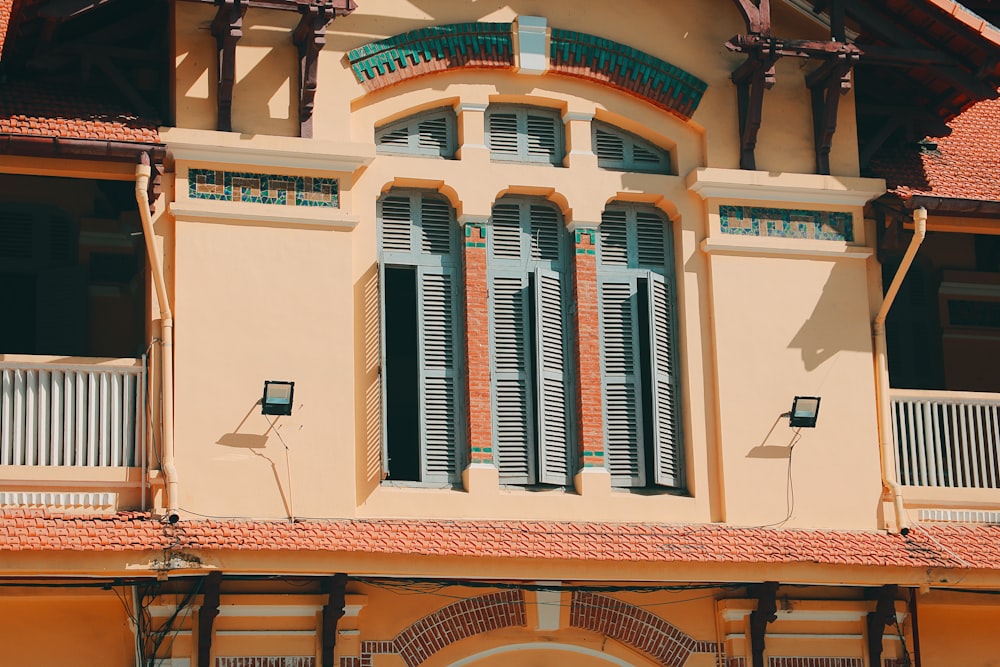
pixel 277 398
pixel 805 409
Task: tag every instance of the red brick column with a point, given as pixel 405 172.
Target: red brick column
pixel 588 350
pixel 479 431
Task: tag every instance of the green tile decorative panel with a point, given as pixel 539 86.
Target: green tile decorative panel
pixel 620 66
pixel 787 223
pixel 431 49
pixel 254 188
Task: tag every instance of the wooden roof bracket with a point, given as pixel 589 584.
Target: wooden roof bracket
pixel 227 27
pixel 883 616
pixel 310 38
pixel 827 84
pixel 753 76
pixel 333 611
pixel 206 616
pixel 766 612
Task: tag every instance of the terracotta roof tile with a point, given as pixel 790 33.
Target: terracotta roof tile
pixel 964 165
pixel 973 547
pixel 40 110
pixel 5 10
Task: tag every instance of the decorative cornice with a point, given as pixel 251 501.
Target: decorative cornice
pixel 266 151
pixel 433 49
pixel 586 56
pixel 713 182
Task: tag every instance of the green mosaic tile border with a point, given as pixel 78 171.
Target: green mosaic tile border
pixel 457 41
pixel 790 223
pixel 254 188
pixel 629 69
pixel 480 239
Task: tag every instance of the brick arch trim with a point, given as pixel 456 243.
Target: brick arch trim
pixel 647 633
pixel 453 623
pixel 490 45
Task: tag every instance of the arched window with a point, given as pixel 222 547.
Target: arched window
pixel 529 327
pixel 421 343
pixel 624 151
pixel 427 134
pixel 638 340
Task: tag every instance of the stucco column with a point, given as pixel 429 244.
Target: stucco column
pixel 579 143
pixel 472 132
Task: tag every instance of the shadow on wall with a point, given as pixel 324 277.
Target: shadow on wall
pixel 839 321
pixel 254 441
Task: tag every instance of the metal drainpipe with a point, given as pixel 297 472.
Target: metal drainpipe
pixel 882 373
pixel 142 173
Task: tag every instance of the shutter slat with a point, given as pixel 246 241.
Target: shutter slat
pixel 617 149
pixel 651 239
pixel 426 134
pixel 541 137
pixel 503 133
pixel 397 223
pixel 551 379
pixel 432 135
pixel 609 147
pixel 613 238
pixel 506 231
pixel 544 232
pixel 623 417
pixel 667 452
pixel 514 438
pixel 437 372
pixel 435 226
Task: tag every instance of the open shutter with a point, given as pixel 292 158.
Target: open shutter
pixel 622 391
pixel 666 426
pixel 438 376
pixel 512 392
pixel 382 375
pixel 554 456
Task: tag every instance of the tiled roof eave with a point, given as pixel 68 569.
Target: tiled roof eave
pixel 984 208
pixel 90 149
pixel 949 547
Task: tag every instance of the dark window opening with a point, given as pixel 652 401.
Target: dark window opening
pixel 402 376
pixel 646 380
pixel 71 284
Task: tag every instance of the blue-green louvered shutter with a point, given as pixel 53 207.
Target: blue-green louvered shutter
pixel 438 377
pixel 621 380
pixel 503 134
pixel 541 140
pixel 553 422
pixel 513 414
pixel 666 426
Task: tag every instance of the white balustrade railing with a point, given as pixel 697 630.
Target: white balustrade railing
pixel 72 414
pixel 946 439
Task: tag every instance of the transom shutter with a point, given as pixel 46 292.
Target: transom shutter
pixel 426 134
pixel 666 443
pixel 621 381
pixel 554 456
pixel 525 134
pixel 438 377
pixel 618 149
pixel 513 413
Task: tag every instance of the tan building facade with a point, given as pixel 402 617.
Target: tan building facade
pixel 534 286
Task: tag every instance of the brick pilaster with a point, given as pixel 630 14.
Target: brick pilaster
pixel 588 349
pixel 479 431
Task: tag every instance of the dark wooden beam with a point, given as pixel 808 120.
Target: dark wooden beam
pixel 333 611
pixel 867 54
pixel 227 27
pixel 766 612
pixel 341 7
pixel 310 38
pixel 206 616
pixel 756 14
pixel 827 84
pixel 752 78
pixel 883 616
